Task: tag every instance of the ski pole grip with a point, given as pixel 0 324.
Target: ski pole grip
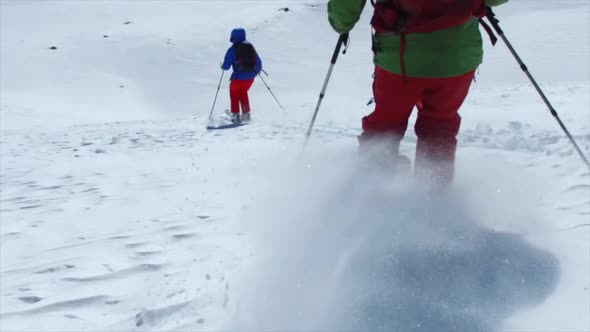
pixel 343 39
pixel 493 20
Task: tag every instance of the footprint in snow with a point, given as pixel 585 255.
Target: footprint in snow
pixel 144 254
pixel 137 244
pixel 184 236
pixel 119 237
pixel 30 299
pixel 577 187
pixel 55 269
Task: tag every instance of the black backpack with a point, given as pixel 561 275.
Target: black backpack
pixel 246 56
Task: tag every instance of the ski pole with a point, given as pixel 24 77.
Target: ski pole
pixel 215 99
pixel 343 39
pixel 491 16
pixel 269 90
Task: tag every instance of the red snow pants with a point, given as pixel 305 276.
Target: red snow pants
pixel 438 101
pixel 238 95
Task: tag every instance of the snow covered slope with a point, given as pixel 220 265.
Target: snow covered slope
pixel 119 211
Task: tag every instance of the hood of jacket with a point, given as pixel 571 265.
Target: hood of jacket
pixel 237 35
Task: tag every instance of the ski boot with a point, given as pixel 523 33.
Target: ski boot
pixel 235 118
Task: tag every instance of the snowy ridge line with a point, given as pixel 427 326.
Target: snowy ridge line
pixel 61 305
pixel 188 125
pixel 45 267
pixel 516 137
pixel 100 138
pixel 522 137
pixel 569 85
pixel 352 132
pixel 191 122
pixel 194 121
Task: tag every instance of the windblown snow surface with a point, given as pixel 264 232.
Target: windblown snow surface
pixel 119 211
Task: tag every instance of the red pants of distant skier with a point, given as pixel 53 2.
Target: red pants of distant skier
pixel 238 95
pixel 438 101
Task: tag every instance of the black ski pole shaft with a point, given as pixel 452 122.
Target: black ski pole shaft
pixel 269 90
pixel 495 23
pixel 342 40
pixel 216 93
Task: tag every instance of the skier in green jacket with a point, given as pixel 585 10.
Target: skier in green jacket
pixel 425 55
